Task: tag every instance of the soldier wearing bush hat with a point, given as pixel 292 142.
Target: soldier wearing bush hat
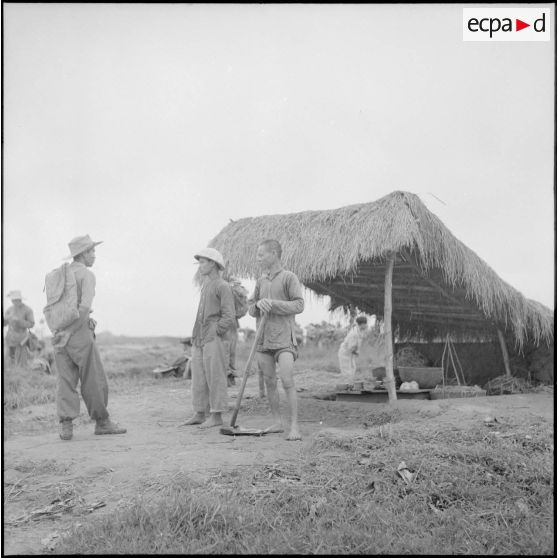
pixel 81 244
pixel 76 353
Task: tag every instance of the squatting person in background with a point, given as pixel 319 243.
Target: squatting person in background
pixel 348 351
pixel 214 320
pixel 76 354
pixel 278 294
pixel 19 318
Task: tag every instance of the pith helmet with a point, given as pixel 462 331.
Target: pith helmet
pixel 211 254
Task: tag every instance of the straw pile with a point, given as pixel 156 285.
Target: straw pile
pixel 452 392
pixel 409 356
pixel 506 385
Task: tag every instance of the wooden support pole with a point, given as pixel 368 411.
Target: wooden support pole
pixel 504 352
pixel 389 379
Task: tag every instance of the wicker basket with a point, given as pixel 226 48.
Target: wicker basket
pixel 451 392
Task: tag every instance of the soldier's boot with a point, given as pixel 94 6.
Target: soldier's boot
pixel 106 426
pixel 66 429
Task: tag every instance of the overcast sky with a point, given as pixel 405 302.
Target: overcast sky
pixel 150 126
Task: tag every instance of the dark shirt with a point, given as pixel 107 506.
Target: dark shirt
pixel 215 312
pixel 285 291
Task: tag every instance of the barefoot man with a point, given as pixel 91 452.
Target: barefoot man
pixel 278 293
pixel 214 320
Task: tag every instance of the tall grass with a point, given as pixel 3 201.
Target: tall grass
pixel 473 493
pixel 125 367
pixel 23 387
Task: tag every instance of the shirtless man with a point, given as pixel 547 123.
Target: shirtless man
pixel 278 294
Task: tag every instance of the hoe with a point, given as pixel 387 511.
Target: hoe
pixel 233 429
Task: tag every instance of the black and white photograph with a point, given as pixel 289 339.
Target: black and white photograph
pixel 278 278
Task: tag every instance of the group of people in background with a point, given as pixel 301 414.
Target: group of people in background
pixel 276 300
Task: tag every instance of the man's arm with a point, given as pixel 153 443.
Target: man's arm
pixel 29 320
pixel 228 317
pixel 253 310
pixel 84 309
pixel 295 304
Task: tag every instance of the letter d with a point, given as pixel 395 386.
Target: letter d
pixel 537 21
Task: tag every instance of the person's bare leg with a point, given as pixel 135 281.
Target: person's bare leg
pixel 215 419
pixel 286 365
pixel 267 365
pixel 261 383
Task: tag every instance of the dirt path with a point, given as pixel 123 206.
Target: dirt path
pixel 113 469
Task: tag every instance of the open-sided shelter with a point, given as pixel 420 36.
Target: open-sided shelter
pixel 438 285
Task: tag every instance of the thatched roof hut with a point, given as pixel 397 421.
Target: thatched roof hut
pixel 439 285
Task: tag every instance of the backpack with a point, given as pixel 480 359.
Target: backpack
pixel 240 296
pixel 61 293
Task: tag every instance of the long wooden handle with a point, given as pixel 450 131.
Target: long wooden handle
pixel 247 369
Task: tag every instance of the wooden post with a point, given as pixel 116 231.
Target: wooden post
pixel 504 352
pixel 389 379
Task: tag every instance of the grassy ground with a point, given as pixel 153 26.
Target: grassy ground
pixel 472 489
pixel 471 492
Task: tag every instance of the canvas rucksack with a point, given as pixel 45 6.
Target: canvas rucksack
pixel 240 295
pixel 61 293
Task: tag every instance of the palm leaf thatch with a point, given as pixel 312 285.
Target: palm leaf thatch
pixel 439 285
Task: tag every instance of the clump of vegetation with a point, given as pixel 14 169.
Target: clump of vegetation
pixel 23 387
pixel 467 491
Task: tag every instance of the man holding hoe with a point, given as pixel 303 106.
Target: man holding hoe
pixel 214 320
pixel 278 295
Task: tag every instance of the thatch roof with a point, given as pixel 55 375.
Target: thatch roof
pixel 439 285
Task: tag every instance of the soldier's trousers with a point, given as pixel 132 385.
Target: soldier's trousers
pixel 80 361
pixel 209 377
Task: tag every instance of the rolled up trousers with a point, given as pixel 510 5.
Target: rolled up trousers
pixel 209 377
pixel 80 361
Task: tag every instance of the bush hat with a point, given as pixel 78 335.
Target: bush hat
pixel 211 254
pixel 81 244
pixel 15 295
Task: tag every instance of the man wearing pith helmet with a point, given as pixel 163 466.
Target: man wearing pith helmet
pixel 214 320
pixel 76 354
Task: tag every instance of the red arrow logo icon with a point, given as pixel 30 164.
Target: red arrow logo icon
pixel 519 25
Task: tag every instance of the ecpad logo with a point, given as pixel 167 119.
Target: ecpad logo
pixel 506 24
